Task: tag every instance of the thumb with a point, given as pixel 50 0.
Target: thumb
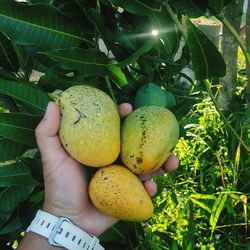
pixel 46 134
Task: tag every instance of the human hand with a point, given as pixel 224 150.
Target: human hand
pixel 65 180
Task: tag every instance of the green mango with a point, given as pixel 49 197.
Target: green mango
pixel 152 94
pixel 171 102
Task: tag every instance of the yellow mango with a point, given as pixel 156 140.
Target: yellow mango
pixel 147 136
pixel 90 126
pixel 117 192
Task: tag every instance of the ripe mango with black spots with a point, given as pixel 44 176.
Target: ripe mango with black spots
pixel 90 126
pixel 117 192
pixel 148 135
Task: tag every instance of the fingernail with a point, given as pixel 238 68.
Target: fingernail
pixel 46 113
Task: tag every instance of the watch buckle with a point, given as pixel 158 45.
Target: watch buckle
pixel 56 229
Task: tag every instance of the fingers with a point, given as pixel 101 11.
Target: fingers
pixel 170 165
pixel 46 132
pixel 150 187
pixel 125 109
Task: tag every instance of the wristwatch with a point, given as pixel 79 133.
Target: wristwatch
pixel 61 232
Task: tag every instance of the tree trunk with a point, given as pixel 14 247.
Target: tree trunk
pixel 233 13
pixel 248 50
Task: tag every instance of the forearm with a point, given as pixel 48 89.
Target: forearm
pixel 33 241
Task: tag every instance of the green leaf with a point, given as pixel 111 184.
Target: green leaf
pixel 39 24
pixel 138 7
pixel 10 197
pixel 191 8
pixel 206 59
pixel 26 94
pixel 188 242
pixel 166 27
pixel 10 149
pixel 53 80
pixel 216 6
pixel 134 57
pixel 201 204
pixel 85 61
pixel 217 209
pixel 19 127
pixel 11 226
pixel 16 174
pixel 8 56
pixel 174 245
pixel 203 196
pixel 117 75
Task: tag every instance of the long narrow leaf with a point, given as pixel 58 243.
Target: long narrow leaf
pixel 16 174
pixel 39 24
pixel 8 56
pixel 52 81
pixel 29 95
pixel 201 204
pixel 86 61
pixel 9 150
pixel 19 127
pixel 206 59
pixel 203 196
pixel 10 197
pixel 11 227
pixel 134 57
pixel 217 209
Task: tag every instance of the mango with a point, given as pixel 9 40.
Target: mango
pixel 90 126
pixel 117 192
pixel 150 94
pixel 147 137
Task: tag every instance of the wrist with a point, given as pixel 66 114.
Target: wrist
pixel 62 213
pixel 81 220
pixel 61 232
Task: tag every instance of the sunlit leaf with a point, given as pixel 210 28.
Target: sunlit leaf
pixel 201 204
pixel 217 209
pixel 203 196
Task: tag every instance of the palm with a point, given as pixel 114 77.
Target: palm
pixel 67 191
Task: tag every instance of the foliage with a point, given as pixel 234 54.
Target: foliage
pixel 48 46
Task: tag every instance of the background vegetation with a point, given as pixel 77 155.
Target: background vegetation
pixel 47 46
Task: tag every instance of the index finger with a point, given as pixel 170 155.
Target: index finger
pixel 125 109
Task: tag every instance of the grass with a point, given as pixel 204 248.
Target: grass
pixel 203 205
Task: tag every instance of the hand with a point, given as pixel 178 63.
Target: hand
pixel 66 186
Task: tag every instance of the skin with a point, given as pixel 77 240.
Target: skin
pixel 66 186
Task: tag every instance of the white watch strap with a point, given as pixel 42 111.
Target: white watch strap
pixel 62 232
